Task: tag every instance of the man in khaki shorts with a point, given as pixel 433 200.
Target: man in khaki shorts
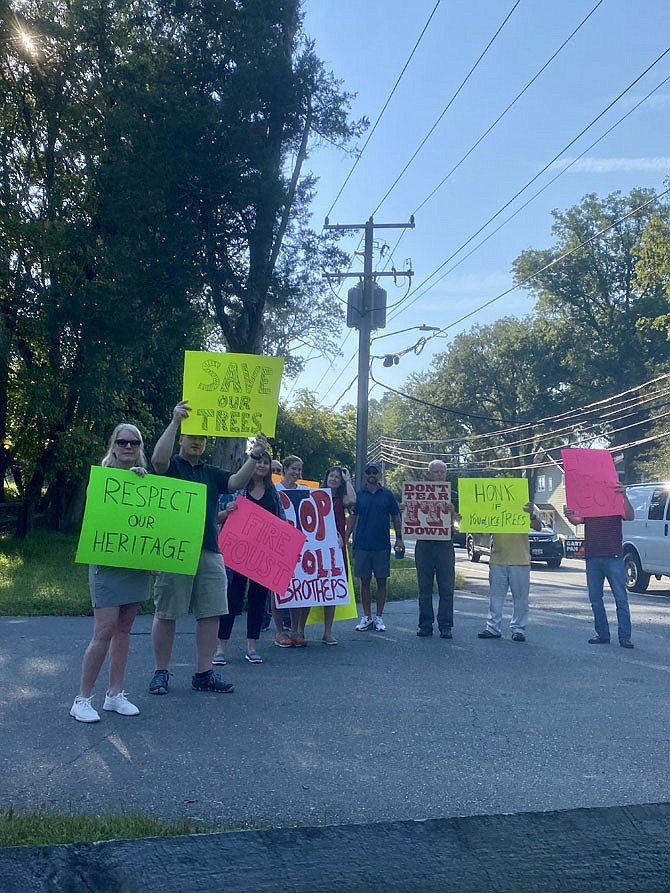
pixel 175 595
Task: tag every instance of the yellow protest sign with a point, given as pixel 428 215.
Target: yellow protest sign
pixel 346 611
pixel 231 394
pixel 151 522
pixel 493 505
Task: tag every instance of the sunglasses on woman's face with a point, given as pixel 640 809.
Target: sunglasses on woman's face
pixel 123 442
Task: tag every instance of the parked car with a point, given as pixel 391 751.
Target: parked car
pixel 646 539
pixel 545 545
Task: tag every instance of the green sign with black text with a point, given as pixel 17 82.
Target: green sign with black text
pixel 149 522
pixel 493 505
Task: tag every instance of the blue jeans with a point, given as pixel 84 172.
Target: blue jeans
pixel 610 568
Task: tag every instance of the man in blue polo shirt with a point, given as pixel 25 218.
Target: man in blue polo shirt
pixel 369 524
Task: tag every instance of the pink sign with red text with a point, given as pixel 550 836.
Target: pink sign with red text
pixel 590 483
pixel 260 545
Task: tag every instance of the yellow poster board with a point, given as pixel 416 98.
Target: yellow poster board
pixel 493 505
pixel 231 394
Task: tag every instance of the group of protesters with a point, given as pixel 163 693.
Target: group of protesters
pixel 216 596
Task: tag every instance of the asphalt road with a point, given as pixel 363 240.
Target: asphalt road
pixel 382 727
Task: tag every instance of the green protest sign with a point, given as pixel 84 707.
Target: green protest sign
pixel 493 505
pixel 231 394
pixel 151 522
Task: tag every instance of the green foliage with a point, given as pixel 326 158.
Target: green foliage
pixel 653 274
pixel 321 437
pixel 152 199
pixel 595 306
pixel 600 327
pixel 491 378
pixel 653 269
pixel 39 577
pixel 592 300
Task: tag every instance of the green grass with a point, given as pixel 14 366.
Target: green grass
pixel 39 577
pixel 47 828
pixel 402 584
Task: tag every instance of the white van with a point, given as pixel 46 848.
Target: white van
pixel 646 539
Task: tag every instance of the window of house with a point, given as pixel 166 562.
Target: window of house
pixel 541 483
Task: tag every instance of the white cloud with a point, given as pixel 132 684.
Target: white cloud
pixel 653 164
pixel 656 101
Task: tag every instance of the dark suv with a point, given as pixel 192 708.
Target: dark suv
pixel 545 545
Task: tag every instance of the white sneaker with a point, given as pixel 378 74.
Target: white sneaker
pixel 379 624
pixel 365 623
pixel 83 710
pixel 120 704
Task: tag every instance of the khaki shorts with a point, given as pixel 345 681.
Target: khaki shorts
pixel 205 595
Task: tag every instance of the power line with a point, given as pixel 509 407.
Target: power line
pixel 385 106
pixel 416 297
pixel 508 107
pixel 416 294
pixel 382 455
pixel 507 291
pixel 611 412
pixel 500 117
pixel 553 262
pixel 571 415
pixel 539 173
pixel 447 107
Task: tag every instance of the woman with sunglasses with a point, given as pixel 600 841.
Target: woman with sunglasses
pixel 115 593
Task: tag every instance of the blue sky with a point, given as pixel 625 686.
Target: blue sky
pixel 367 44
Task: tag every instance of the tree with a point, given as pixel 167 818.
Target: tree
pixel 653 273
pixel 321 437
pixel 266 99
pixel 151 168
pixel 653 269
pixel 593 301
pixel 92 303
pixel 495 382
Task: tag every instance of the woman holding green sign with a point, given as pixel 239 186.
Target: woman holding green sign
pixel 115 593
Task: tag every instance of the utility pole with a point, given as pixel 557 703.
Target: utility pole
pixel 364 324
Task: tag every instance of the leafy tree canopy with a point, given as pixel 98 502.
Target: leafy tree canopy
pixel 321 437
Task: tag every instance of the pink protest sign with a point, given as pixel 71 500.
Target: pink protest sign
pixel 590 483
pixel 260 545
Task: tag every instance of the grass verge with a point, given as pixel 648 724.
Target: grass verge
pixel 48 828
pixel 39 577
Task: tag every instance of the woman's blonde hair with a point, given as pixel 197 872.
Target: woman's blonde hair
pixel 109 459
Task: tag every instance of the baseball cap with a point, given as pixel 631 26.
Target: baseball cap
pixel 372 465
